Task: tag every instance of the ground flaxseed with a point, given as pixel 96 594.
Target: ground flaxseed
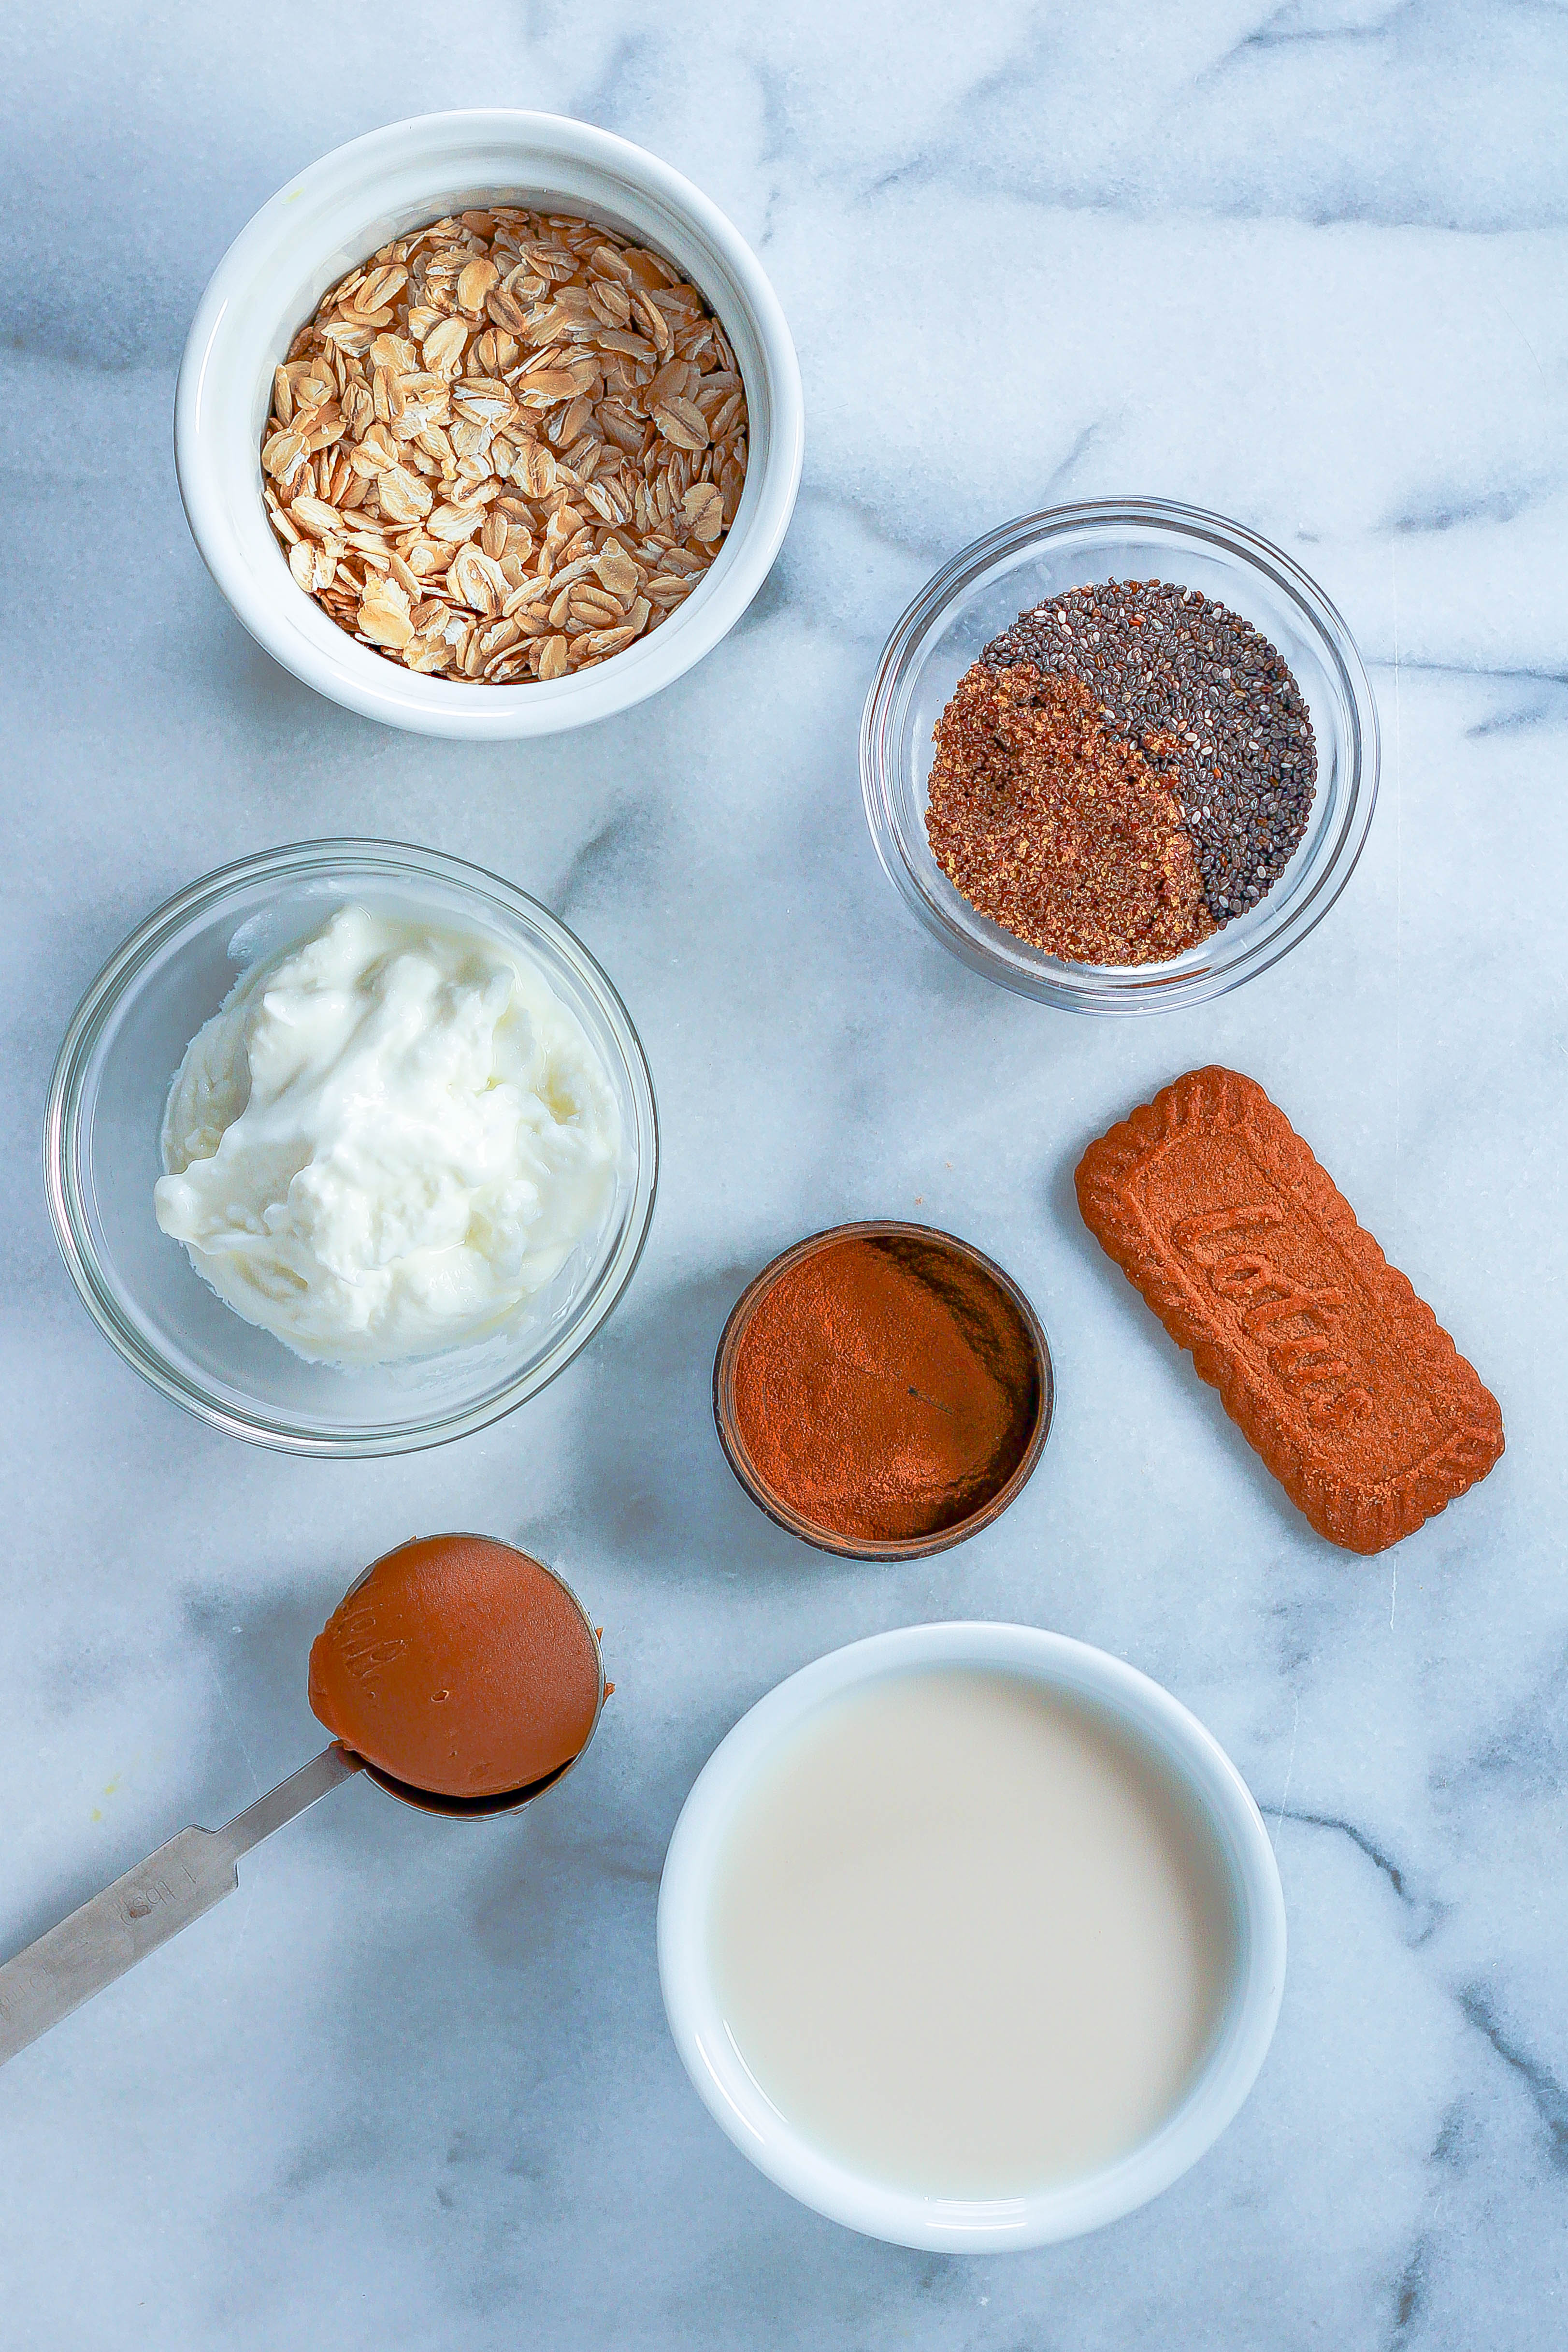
pixel 1212 704
pixel 1056 827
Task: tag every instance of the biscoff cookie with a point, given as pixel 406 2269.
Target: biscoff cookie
pixel 1334 1371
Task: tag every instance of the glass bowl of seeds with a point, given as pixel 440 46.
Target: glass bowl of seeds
pixel 488 424
pixel 1120 756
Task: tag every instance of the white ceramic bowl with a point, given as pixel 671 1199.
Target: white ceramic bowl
pixel 333 216
pixel 1176 1742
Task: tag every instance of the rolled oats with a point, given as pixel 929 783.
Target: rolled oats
pixel 505 447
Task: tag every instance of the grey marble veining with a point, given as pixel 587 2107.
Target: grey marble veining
pixel 412 2088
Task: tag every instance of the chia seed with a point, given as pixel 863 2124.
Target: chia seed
pixel 1209 702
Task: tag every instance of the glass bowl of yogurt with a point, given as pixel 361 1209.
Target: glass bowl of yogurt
pixel 350 1148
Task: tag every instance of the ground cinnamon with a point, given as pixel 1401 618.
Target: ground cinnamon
pixel 885 1387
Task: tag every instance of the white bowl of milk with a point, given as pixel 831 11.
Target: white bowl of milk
pixel 971 1936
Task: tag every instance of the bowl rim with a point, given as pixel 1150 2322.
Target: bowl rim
pixel 1100 989
pixel 1150 1715
pixel 362 681
pixel 782 1513
pixel 116 981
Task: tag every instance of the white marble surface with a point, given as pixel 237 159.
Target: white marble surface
pixel 412 2088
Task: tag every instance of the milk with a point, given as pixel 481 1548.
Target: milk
pixel 967 1937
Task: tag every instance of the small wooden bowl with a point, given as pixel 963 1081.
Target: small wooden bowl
pixel 1035 1418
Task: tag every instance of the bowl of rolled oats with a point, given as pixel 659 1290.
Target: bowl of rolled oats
pixel 489 424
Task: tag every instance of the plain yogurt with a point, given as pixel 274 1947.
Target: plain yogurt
pixel 387 1141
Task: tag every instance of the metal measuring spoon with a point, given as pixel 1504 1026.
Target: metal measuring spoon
pixel 156 1898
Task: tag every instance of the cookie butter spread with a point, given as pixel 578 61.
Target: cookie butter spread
pixel 460 1666
pixel 387 1141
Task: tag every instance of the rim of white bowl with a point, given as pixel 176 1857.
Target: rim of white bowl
pixel 347 196
pixel 1039 2217
pixel 62 1113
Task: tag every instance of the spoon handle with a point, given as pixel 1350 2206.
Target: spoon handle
pixel 151 1903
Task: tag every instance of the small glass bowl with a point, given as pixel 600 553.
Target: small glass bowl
pixel 979 593
pixel 101 1157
